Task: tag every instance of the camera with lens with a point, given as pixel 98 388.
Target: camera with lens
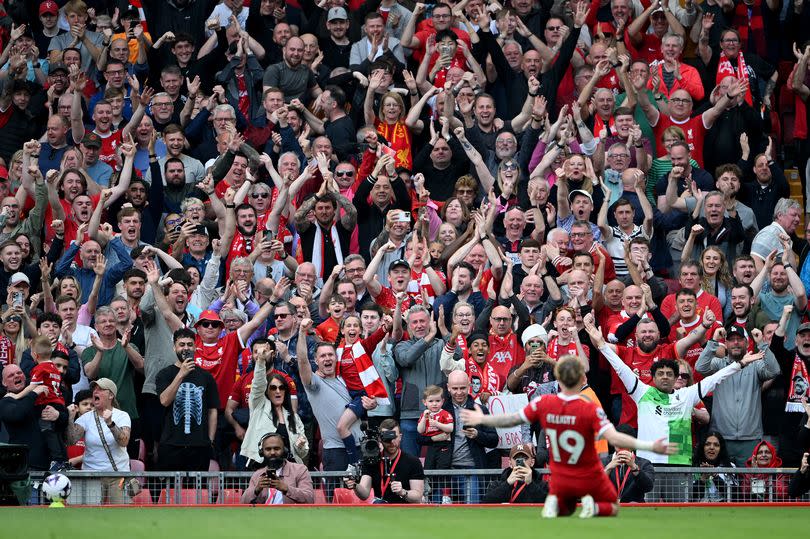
pixel 370 452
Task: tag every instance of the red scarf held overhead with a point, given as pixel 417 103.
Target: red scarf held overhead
pixel 748 21
pixel 725 69
pixel 800 120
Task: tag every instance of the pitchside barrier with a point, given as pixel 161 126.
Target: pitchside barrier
pixel 672 485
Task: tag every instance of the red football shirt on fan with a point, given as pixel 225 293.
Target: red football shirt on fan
pixel 694 130
pixel 613 326
pixel 388 301
pixel 346 364
pixel 694 351
pixel 572 425
pixel 555 350
pixel 327 331
pixel 221 360
pixel 47 374
pixel 442 416
pixel 109 143
pixel 704 301
pixel 504 354
pixel 640 363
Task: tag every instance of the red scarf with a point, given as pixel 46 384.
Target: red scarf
pixel 368 373
pixel 749 23
pixel 725 69
pixel 490 382
pixel 798 376
pixel 400 139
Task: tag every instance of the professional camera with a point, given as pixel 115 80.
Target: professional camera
pixel 370 452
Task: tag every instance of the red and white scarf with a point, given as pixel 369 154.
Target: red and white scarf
pixel 420 282
pixel 372 382
pixel 318 246
pixel 798 377
pixel 725 69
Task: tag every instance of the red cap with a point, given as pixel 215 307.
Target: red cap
pixel 48 6
pixel 208 315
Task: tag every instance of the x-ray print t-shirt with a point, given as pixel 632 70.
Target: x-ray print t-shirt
pixel 186 421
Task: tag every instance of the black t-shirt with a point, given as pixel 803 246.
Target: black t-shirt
pixel 186 421
pixel 407 468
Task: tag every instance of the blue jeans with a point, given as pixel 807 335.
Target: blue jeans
pixel 465 488
pixel 408 442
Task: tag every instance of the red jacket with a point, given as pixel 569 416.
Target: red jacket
pixel 690 81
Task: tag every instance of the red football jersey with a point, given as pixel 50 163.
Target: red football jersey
pixel 572 424
pixel 442 416
pixel 221 360
pixel 47 374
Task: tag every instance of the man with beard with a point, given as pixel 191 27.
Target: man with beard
pixel 461 290
pixel 327 243
pixel 689 277
pixel 291 75
pixel 744 270
pixel 237 237
pixel 189 396
pixel 583 236
pixel 648 350
pixel 52 150
pixel 336 46
pixel 32 225
pixel 794 365
pixel 279 481
pixel 737 404
pixel 747 314
pixel 688 319
pixel 175 142
pixel 385 192
pixel 726 233
pixel 765 182
pixel 786 289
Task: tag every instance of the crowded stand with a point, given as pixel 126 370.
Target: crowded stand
pixel 258 236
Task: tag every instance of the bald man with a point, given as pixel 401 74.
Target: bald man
pixel 467 445
pixel 21 420
pixel 292 75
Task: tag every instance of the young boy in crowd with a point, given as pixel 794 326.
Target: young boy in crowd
pixel 50 368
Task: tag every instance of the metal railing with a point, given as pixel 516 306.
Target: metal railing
pixel 677 485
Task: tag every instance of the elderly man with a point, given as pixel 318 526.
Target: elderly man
pixel 89 251
pixel 279 481
pixel 418 363
pixel 291 75
pixel 385 192
pixel 787 216
pixel 21 419
pixel 786 289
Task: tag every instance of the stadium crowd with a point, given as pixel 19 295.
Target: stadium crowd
pixel 233 232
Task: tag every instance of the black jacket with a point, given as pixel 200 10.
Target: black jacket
pixel 21 423
pixel 487 436
pixel 500 491
pixel 636 485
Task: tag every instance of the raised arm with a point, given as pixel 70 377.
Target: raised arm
pixel 302 351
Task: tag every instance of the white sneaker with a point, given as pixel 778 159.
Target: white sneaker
pixel 550 507
pixel 588 507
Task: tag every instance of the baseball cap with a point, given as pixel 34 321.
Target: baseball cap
pixel 91 140
pixel 740 332
pixel 532 332
pixel 522 449
pixel 804 327
pixel 576 192
pixel 58 66
pixel 399 263
pixel 337 13
pixel 209 315
pixel 105 383
pixel 48 6
pixel 18 278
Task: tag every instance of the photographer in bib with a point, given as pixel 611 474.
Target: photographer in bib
pixel 279 481
pixel 395 476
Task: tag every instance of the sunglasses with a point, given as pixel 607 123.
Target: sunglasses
pixel 553 28
pixel 510 166
pixel 210 324
pixel 260 195
pixel 684 376
pixel 273 387
pixel 280 316
pixel 344 173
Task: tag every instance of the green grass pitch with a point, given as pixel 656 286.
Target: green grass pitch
pixel 395 523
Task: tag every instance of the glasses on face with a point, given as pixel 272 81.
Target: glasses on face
pixel 501 319
pixel 280 316
pixel 730 40
pixel 273 387
pixel 510 166
pixel 260 195
pixel 114 73
pixel 344 173
pixel 231 320
pixel 210 324
pixel 553 28
pixel 680 100
pixel 164 104
pixel 440 16
pixel 579 234
pixel 468 315
pixel 684 376
pixel 619 155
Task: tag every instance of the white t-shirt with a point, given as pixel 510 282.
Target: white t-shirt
pixel 82 339
pixel 95 458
